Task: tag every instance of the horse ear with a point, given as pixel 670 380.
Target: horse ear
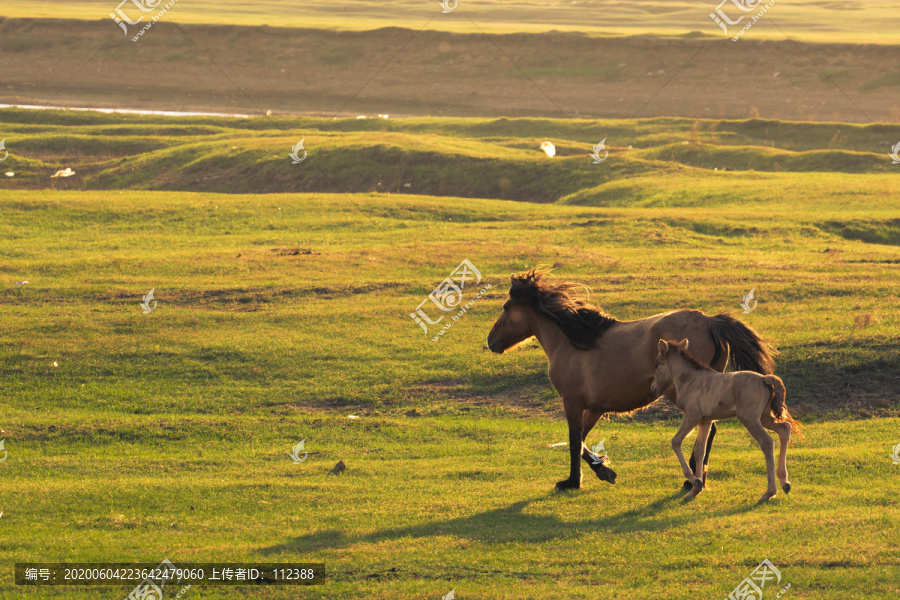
pixel 663 347
pixel 683 343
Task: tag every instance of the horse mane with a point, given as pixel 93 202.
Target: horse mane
pixel 564 303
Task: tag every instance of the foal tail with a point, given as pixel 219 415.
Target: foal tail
pixel 747 351
pixel 778 405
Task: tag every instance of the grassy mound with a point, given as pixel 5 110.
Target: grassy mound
pixel 653 162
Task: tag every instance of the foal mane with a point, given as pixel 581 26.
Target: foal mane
pixel 563 302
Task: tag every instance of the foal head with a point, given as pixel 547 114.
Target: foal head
pixel 662 374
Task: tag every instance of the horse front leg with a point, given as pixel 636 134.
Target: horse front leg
pixel 575 417
pixel 596 463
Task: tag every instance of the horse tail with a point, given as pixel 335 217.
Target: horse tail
pixel 778 405
pixel 747 351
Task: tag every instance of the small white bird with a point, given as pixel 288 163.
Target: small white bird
pixel 895 154
pixel 549 149
pixel 67 172
pixel 450 596
pixel 896 455
pixel 10 174
pixel 21 283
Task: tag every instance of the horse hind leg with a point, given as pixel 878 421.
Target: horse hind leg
pixel 783 430
pixel 767 445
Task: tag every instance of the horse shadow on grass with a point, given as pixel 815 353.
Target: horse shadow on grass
pixel 512 524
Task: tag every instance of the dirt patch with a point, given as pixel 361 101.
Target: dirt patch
pixel 338 404
pixel 293 251
pixel 445 396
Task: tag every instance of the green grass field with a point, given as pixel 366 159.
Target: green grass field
pixel 134 437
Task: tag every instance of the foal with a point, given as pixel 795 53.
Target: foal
pixel 705 395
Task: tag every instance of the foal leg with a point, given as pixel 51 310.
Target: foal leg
pixel 784 437
pixel 693 462
pixel 597 463
pixel 574 416
pixel 687 424
pixel 765 442
pixel 699 451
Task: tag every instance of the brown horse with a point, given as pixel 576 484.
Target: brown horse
pixel 601 365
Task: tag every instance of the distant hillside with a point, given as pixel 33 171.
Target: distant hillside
pixel 427 72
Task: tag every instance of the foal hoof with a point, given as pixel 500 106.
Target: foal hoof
pixel 688 486
pixel 786 487
pixel 697 485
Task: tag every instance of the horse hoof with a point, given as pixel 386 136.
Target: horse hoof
pixel 604 473
pixel 786 487
pixel 686 486
pixel 565 484
pixel 767 496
